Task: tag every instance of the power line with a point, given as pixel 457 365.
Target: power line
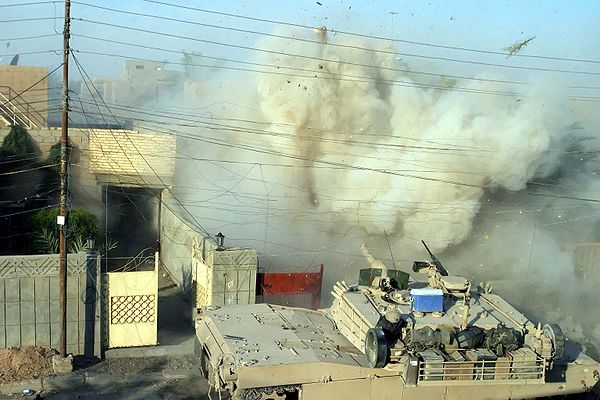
pixel 372 36
pixel 28 211
pixel 29 19
pixel 13 39
pixel 292 38
pixel 169 118
pixel 32 3
pixel 312 71
pixel 30 53
pixel 241 129
pixel 31 86
pixel 193 117
pixel 27 170
pixel 359 79
pixel 199 226
pixel 360 168
pixel 280 53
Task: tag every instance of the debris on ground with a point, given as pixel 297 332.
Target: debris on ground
pixel 22 363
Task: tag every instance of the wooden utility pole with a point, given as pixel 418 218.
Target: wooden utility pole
pixel 62 216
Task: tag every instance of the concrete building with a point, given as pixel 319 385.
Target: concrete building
pixel 139 82
pixel 23 96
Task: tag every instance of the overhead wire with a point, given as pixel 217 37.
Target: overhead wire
pixel 283 53
pixel 344 78
pixel 28 211
pixel 366 36
pixel 14 39
pixel 193 117
pixel 355 167
pixel 27 170
pixel 291 38
pixel 165 186
pixel 31 3
pixel 241 130
pixel 22 92
pixel 282 67
pixel 358 79
pixel 31 19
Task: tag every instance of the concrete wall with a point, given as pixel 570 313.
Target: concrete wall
pixel 177 239
pixel 30 306
pixel 103 156
pixel 86 192
pixel 33 102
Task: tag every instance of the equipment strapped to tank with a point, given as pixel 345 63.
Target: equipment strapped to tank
pixel 502 339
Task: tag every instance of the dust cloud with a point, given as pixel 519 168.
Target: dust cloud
pixel 346 145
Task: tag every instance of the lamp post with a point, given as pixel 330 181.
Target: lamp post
pixel 90 243
pixel 220 240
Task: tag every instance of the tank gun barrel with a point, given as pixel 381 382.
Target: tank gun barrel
pixel 438 263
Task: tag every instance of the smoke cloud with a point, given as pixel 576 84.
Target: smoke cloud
pixel 345 145
pixel 400 148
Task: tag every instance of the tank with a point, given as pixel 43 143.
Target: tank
pixel 394 335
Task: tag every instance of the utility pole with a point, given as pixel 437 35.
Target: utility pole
pixel 62 216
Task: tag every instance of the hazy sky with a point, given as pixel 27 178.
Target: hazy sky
pixel 562 29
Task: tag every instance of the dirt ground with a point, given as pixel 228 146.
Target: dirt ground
pixel 21 363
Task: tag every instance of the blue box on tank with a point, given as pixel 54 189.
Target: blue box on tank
pixel 427 300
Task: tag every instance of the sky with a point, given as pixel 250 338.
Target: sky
pixel 561 29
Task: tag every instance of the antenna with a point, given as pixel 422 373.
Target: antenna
pixel 389 247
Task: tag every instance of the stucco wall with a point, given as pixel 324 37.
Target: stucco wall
pixel 177 239
pixel 133 156
pixel 32 102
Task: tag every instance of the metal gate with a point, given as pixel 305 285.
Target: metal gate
pixel 132 307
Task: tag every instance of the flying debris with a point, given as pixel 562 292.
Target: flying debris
pixel 517 47
pixel 321 33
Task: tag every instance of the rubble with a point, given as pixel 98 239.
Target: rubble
pixel 22 363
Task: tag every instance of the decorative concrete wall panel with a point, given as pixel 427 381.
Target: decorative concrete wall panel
pixel 30 305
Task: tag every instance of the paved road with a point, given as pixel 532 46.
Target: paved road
pixel 176 389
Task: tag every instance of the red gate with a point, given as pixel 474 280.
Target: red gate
pixel 294 289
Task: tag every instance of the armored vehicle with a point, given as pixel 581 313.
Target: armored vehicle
pixel 428 335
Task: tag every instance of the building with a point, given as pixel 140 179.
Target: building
pixel 23 96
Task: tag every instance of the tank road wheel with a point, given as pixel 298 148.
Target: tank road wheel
pixel 554 332
pixel 376 348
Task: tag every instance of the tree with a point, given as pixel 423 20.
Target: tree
pixel 81 224
pixel 18 142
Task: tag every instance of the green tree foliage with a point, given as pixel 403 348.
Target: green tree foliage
pixel 54 156
pixel 18 142
pixel 80 225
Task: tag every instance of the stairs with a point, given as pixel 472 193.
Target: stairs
pixel 14 110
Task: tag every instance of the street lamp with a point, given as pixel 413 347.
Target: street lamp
pixel 220 240
pixel 90 243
